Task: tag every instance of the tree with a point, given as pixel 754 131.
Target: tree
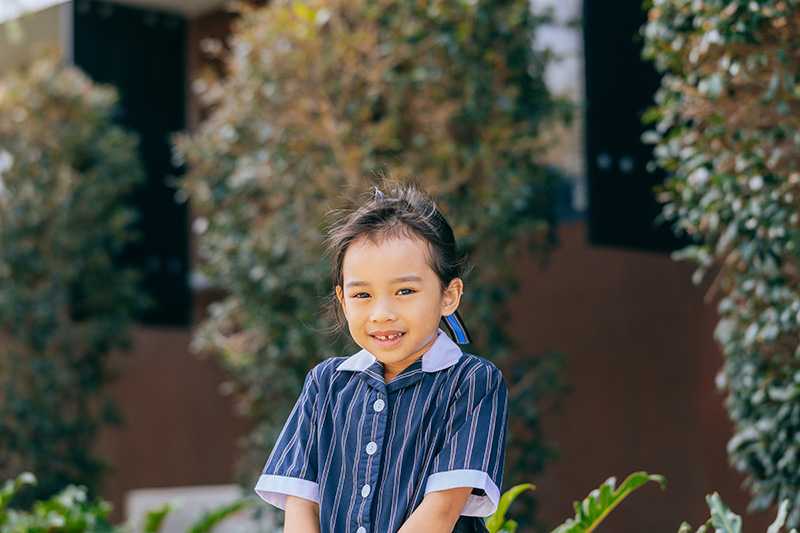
pixel 726 129
pixel 318 98
pixel 64 304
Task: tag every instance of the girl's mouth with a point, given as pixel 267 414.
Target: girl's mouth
pixel 386 341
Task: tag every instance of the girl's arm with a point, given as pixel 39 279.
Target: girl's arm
pixel 302 516
pixel 438 512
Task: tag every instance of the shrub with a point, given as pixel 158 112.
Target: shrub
pixel 64 305
pixel 71 511
pixel 726 125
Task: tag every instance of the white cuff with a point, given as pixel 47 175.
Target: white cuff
pixel 274 489
pixel 476 505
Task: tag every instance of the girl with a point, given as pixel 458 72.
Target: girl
pixel 408 434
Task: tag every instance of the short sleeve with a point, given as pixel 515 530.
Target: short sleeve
pixel 291 469
pixel 475 439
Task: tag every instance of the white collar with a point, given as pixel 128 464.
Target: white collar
pixel 442 354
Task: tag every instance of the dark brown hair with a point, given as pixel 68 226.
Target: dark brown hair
pixel 392 209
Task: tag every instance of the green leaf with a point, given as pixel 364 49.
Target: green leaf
pixel 211 519
pixel 155 518
pixel 724 520
pixel 600 502
pixel 497 521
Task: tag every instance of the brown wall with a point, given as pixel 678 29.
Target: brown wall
pixel 638 340
pixel 178 429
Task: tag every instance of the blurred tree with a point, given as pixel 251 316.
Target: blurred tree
pixel 64 306
pixel 727 125
pixel 320 96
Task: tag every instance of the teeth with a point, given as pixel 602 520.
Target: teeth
pixel 389 337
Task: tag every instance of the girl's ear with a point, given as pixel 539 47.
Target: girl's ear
pixel 452 296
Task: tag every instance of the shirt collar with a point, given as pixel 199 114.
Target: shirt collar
pixel 442 354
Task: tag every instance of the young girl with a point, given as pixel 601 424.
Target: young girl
pixel 408 434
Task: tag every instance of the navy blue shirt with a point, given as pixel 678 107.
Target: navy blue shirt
pixel 368 451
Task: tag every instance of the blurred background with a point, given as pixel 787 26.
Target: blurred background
pixel 165 168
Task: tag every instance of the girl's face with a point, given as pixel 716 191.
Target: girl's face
pixel 390 290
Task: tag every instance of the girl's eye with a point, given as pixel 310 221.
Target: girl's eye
pixel 358 294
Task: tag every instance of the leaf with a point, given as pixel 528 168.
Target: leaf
pixel 497 521
pixel 594 508
pixel 724 520
pixel 776 526
pixel 10 488
pixel 210 520
pixel 155 518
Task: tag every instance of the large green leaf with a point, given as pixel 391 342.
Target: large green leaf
pixel 497 521
pixel 596 506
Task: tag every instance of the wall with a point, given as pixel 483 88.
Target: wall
pixel 637 336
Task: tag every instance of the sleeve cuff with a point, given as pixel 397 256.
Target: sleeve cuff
pixel 476 505
pixel 274 489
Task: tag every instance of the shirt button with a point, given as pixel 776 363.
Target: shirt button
pixel 378 405
pixel 362 529
pixel 365 491
pixel 372 448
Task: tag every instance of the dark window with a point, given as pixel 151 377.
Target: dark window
pixel 142 53
pixel 620 86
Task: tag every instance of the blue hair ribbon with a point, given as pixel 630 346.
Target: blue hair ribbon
pixel 457 328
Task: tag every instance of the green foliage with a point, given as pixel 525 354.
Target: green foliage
pixel 64 306
pixel 497 521
pixel 318 97
pixel 726 125
pixel 723 520
pixel 600 502
pixel 70 511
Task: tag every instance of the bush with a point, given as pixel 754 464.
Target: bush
pixel 64 305
pixel 71 511
pixel 319 98
pixel 726 129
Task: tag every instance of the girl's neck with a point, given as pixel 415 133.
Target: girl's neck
pixel 392 370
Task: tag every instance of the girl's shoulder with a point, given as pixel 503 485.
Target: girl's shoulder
pixel 321 372
pixel 475 372
pixel 471 363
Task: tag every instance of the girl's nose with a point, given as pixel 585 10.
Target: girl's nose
pixel 381 312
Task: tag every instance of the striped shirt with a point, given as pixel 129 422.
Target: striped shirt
pixel 368 451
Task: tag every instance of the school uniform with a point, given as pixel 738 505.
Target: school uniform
pixel 368 451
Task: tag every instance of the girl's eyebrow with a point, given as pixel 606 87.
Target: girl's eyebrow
pixel 357 283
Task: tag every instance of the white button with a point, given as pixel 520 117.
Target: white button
pixel 362 529
pixel 365 491
pixel 372 448
pixel 378 405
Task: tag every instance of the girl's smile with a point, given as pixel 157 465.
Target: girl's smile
pixel 387 339
pixel 393 300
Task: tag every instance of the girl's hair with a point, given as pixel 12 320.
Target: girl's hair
pixel 399 210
